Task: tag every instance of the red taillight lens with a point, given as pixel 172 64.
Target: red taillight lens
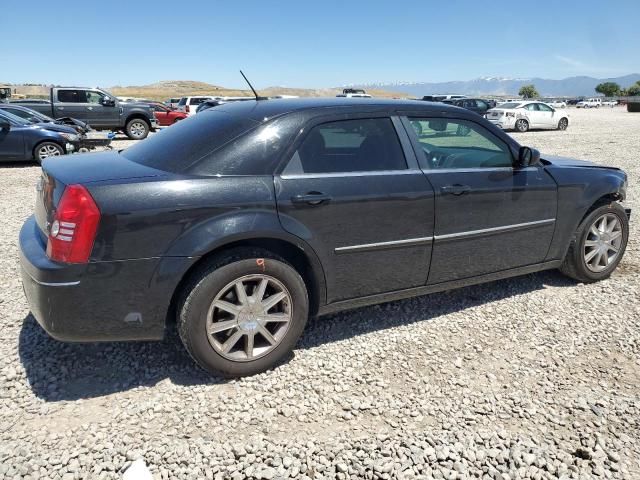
pixel 186 109
pixel 74 226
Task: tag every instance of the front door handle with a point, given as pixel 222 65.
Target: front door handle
pixel 456 189
pixel 311 198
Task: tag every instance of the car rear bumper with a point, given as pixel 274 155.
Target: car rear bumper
pixel 101 301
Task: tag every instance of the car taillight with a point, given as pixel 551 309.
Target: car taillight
pixel 510 114
pixel 74 226
pixel 186 109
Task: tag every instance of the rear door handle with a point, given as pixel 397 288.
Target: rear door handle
pixel 311 198
pixel 456 189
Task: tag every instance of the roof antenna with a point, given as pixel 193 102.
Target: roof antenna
pixel 258 97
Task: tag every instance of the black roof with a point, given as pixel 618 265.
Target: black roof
pixel 264 109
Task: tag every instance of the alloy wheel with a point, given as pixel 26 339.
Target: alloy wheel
pixel 249 317
pixel 563 124
pixel 603 242
pixel 137 129
pixel 48 150
pixel 522 125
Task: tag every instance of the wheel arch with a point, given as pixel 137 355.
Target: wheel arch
pixel 301 257
pixel 137 115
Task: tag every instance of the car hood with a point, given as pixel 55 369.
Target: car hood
pixel 572 162
pixel 87 168
pixel 57 128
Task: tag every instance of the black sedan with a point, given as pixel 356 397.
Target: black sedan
pixel 242 221
pixel 477 105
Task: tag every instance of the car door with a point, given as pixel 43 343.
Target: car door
pixel 490 216
pixel 533 114
pixel 99 114
pixel 355 194
pixel 546 116
pixel 162 114
pixel 71 103
pixel 12 142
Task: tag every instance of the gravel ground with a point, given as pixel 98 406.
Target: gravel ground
pixel 532 377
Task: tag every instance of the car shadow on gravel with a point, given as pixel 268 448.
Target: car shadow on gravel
pixel 69 371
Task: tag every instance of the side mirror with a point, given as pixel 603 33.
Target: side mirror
pixel 108 102
pixel 4 124
pixel 528 157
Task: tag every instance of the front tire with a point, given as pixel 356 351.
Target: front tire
pixel 598 245
pixel 243 313
pixel 563 124
pixel 522 125
pixel 137 129
pixel 47 149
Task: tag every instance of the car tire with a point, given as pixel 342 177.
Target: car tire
pixel 47 149
pixel 247 343
pixel 522 125
pixel 580 263
pixel 563 123
pixel 137 129
pixel 178 119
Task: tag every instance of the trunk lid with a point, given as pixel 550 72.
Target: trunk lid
pixel 83 169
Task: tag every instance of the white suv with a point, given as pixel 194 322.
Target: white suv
pixel 189 105
pixel 590 103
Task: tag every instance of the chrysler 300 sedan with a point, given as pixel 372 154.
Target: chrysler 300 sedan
pixel 241 222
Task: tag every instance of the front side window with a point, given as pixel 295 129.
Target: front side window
pixel 94 97
pixel 459 144
pixel 363 145
pixel 544 108
pixel 72 96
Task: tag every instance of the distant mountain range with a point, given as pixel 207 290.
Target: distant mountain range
pixel 572 86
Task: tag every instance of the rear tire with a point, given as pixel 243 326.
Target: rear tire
pixel 522 125
pixel 47 149
pixel 233 333
pixel 137 129
pixel 580 259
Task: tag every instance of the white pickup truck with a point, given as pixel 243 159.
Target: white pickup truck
pixel 590 103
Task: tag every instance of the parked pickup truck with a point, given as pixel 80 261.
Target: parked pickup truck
pixel 99 109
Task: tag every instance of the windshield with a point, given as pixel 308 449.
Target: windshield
pixel 14 118
pixel 510 105
pixel 178 148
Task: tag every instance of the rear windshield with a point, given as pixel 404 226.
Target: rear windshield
pixel 509 105
pixel 183 101
pixel 182 146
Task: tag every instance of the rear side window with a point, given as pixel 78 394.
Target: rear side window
pixel 187 143
pixel 72 96
pixel 197 101
pixel 362 145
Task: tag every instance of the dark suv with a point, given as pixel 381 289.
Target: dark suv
pixel 245 219
pixel 477 105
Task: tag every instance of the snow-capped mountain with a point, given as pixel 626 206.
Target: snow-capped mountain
pixel 572 86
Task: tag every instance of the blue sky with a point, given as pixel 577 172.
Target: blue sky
pixel 314 44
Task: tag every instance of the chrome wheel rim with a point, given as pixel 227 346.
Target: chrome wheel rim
pixel 137 129
pixel 249 317
pixel 603 242
pixel 46 151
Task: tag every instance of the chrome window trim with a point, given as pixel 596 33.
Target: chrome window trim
pixel 409 242
pixel 352 174
pixel 56 284
pixel 515 226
